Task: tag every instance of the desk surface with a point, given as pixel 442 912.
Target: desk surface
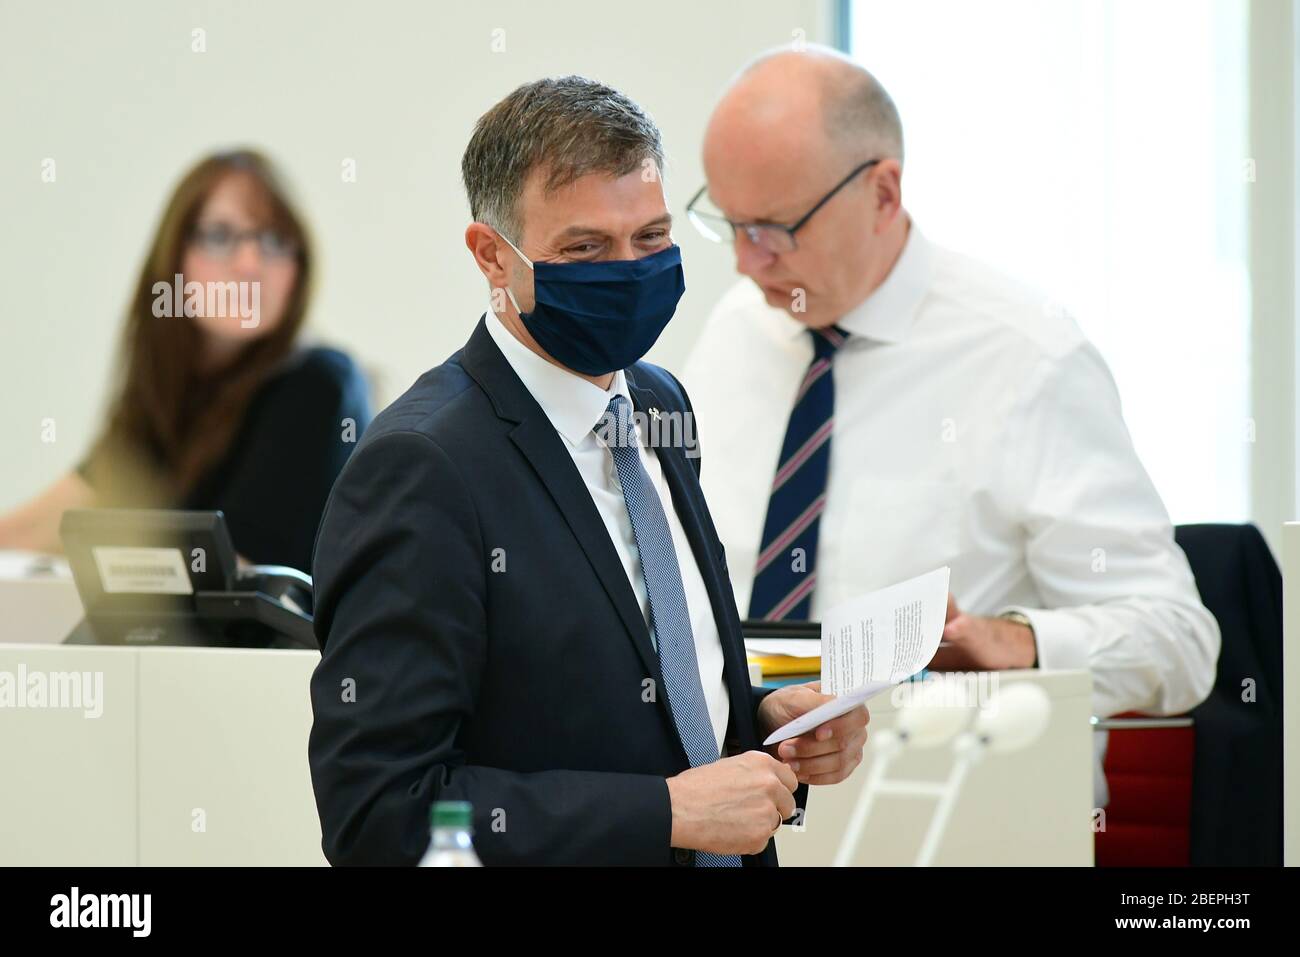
pixel 38 599
pixel 1030 807
pixel 199 756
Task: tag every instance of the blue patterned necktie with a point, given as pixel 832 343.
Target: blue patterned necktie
pixel 670 619
pixel 786 572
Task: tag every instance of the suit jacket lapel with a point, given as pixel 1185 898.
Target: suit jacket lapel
pixel 681 479
pixel 535 437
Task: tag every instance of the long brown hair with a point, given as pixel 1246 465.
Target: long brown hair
pixel 171 420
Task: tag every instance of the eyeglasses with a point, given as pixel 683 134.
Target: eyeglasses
pixel 220 241
pixel 772 237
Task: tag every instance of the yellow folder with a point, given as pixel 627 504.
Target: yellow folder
pixel 787 664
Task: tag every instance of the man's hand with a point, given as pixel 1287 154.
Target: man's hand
pixel 827 754
pixel 732 806
pixel 983 644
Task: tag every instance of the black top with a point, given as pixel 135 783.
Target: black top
pixel 1237 773
pixel 274 479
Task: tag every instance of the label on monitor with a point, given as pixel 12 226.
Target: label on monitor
pixel 143 571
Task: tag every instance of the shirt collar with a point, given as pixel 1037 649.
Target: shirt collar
pixel 887 312
pixel 573 405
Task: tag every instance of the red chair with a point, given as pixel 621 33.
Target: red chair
pixel 1148 767
pixel 1206 788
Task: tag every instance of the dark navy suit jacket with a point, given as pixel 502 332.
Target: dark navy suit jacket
pixel 481 642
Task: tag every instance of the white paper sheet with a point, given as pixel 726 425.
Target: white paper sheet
pixel 875 642
pixel 22 565
pixel 793 647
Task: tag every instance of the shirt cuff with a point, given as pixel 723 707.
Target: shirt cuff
pixel 1061 637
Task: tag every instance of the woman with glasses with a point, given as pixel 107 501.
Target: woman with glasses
pixel 217 406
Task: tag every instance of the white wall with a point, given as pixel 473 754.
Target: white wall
pixel 1144 190
pixel 114 94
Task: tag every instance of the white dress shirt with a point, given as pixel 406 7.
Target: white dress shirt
pixel 574 407
pixel 975 427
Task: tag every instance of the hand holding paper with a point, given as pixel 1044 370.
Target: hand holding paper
pixel 874 642
pixel 828 753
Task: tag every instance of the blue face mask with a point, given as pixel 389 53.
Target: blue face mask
pixel 599 317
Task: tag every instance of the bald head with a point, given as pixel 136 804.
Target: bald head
pixel 815 93
pixel 790 126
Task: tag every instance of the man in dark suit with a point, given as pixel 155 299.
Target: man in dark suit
pixel 521 598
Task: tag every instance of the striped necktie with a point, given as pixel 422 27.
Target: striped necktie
pixel 670 618
pixel 786 572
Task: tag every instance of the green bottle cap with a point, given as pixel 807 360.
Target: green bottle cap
pixel 451 814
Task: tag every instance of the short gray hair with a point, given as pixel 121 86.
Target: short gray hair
pixel 566 126
pixel 860 113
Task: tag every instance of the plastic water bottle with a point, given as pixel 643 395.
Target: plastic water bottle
pixel 451 823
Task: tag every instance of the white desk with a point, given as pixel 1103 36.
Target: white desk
pixel 183 733
pixel 224 733
pixel 1030 807
pixel 39 608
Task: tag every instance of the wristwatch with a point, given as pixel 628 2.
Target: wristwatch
pixel 1020 618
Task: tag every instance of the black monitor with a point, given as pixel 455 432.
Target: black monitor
pixel 757 628
pixel 160 577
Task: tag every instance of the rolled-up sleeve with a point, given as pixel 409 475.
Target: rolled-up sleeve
pixel 1118 594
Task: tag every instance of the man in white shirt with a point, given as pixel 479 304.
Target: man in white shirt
pixel 874 406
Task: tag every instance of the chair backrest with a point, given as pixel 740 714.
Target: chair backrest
pixel 1237 777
